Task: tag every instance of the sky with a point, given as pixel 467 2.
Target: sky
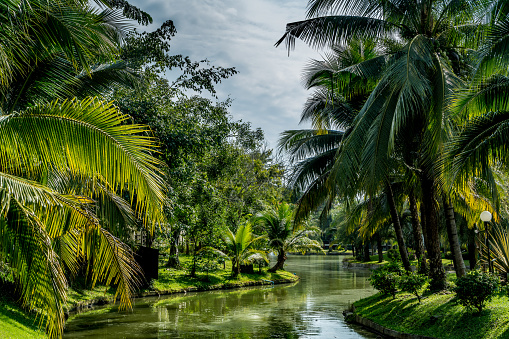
pixel 267 91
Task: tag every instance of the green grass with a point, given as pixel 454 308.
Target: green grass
pixel 75 295
pixel 451 320
pixel 179 279
pixel 374 261
pixel 16 323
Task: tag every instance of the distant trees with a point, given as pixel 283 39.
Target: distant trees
pixel 283 236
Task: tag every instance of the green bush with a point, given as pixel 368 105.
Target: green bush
pixel 394 267
pixel 393 255
pixel 476 288
pixel 384 281
pixel 413 283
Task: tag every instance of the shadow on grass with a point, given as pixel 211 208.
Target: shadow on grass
pixel 439 315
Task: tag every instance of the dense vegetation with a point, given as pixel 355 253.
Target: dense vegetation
pixel 107 146
pixel 408 143
pixel 409 117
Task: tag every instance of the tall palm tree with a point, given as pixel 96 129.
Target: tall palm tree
pixel 411 94
pixel 339 94
pixel 283 236
pixel 51 135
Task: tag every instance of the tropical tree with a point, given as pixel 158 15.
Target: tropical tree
pixel 419 75
pixel 283 236
pixel 240 247
pixel 62 152
pixel 339 93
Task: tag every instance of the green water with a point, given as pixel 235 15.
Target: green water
pixel 311 308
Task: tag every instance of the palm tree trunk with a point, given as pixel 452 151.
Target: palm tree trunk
pixel 417 232
pixel 366 252
pixel 472 249
pixel 452 234
pixel 436 268
pixel 235 267
pixel 379 248
pixel 280 264
pixel 423 226
pixel 397 228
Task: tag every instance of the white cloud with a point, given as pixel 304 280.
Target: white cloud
pixel 241 33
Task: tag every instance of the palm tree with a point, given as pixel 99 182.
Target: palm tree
pixel 240 247
pixel 339 94
pixel 282 236
pixel 50 140
pixel 410 97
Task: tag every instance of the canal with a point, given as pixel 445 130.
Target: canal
pixel 310 308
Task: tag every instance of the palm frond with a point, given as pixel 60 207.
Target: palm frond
pixel 335 30
pixel 481 143
pixel 88 137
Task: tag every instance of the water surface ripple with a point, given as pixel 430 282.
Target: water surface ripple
pixel 311 308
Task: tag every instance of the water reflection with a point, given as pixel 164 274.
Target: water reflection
pixel 310 308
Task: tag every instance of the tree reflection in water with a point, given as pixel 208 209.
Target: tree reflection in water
pixel 310 308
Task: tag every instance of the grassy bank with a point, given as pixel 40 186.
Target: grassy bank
pixel 374 261
pixel 16 323
pixel 438 315
pixel 180 280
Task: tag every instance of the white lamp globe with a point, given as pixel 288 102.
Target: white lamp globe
pixel 485 216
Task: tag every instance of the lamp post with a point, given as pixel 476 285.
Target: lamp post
pixel 486 218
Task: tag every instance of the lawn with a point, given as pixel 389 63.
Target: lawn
pixel 438 315
pixel 179 279
pixel 374 260
pixel 15 323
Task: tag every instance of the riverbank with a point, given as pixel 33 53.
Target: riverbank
pixel 173 280
pixel 438 316
pixel 15 323
pixel 177 281
pixel 352 262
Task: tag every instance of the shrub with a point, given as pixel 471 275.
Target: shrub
pixel 394 267
pixel 411 254
pixel 384 281
pixel 413 283
pixel 476 288
pixel 393 255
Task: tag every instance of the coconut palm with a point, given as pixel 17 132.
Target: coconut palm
pixel 411 94
pixel 339 94
pixel 240 247
pixel 51 53
pixel 282 236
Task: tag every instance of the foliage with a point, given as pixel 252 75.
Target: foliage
pixel 72 171
pixel 219 172
pixel 475 289
pixel 282 234
pixel 499 249
pixel 384 281
pixel 393 255
pixel 413 283
pixel 394 267
pixel 239 247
